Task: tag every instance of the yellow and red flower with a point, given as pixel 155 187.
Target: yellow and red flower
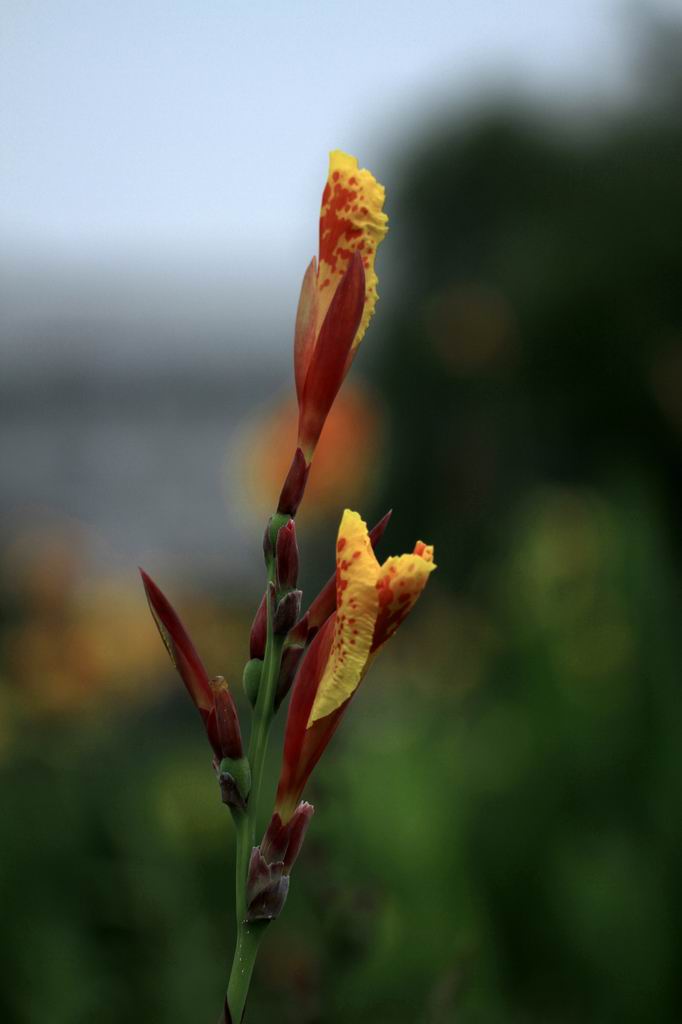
pixel 371 602
pixel 339 292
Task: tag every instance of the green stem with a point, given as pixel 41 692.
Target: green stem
pixel 250 934
pixel 246 950
pixel 262 722
pixel 243 853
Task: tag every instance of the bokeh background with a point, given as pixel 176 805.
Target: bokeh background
pixel 498 830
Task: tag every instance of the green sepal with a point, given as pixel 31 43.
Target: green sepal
pixel 240 770
pixel 253 670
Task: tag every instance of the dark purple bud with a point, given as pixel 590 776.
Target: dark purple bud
pixel 268 550
pixel 259 630
pixel 294 485
pixel 287 556
pixel 291 657
pixel 229 792
pixel 287 612
pixel 270 864
pixel 266 888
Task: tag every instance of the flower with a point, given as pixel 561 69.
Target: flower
pixel 338 294
pixel 371 602
pixel 211 697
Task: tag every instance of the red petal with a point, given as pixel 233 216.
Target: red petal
pixel 182 652
pixel 306 321
pixel 227 720
pixel 294 771
pixel 329 358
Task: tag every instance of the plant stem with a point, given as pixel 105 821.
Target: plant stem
pixel 246 950
pixel 250 934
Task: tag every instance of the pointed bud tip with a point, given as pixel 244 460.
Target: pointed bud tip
pixel 219 684
pixel 377 531
pixel 287 556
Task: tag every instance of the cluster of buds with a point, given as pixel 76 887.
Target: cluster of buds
pixel 271 863
pixel 323 655
pixel 281 604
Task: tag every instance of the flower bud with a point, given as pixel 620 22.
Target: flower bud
pixel 234 776
pixel 291 657
pixel 226 720
pixel 259 629
pixel 271 863
pixel 287 612
pixel 253 670
pixel 268 550
pixel 287 557
pixel 266 888
pixel 298 826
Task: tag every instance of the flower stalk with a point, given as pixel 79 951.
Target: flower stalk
pixel 322 656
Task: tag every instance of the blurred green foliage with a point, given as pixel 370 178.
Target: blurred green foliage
pixel 498 833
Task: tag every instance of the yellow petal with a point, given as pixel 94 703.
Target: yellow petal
pixel 351 218
pixel 357 607
pixel 401 580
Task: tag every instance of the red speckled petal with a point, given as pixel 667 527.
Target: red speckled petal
pixel 401 580
pixel 357 607
pixel 351 220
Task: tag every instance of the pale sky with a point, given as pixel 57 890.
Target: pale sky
pixel 163 160
pixel 208 121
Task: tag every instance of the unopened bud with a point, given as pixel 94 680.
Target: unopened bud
pixel 266 888
pixel 283 842
pixel 268 549
pixel 271 863
pixel 287 557
pixel 298 634
pixel 253 670
pixel 294 485
pixel 259 629
pixel 234 776
pixel 298 826
pixel 275 841
pixel 291 657
pixel 287 612
pixel 226 719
